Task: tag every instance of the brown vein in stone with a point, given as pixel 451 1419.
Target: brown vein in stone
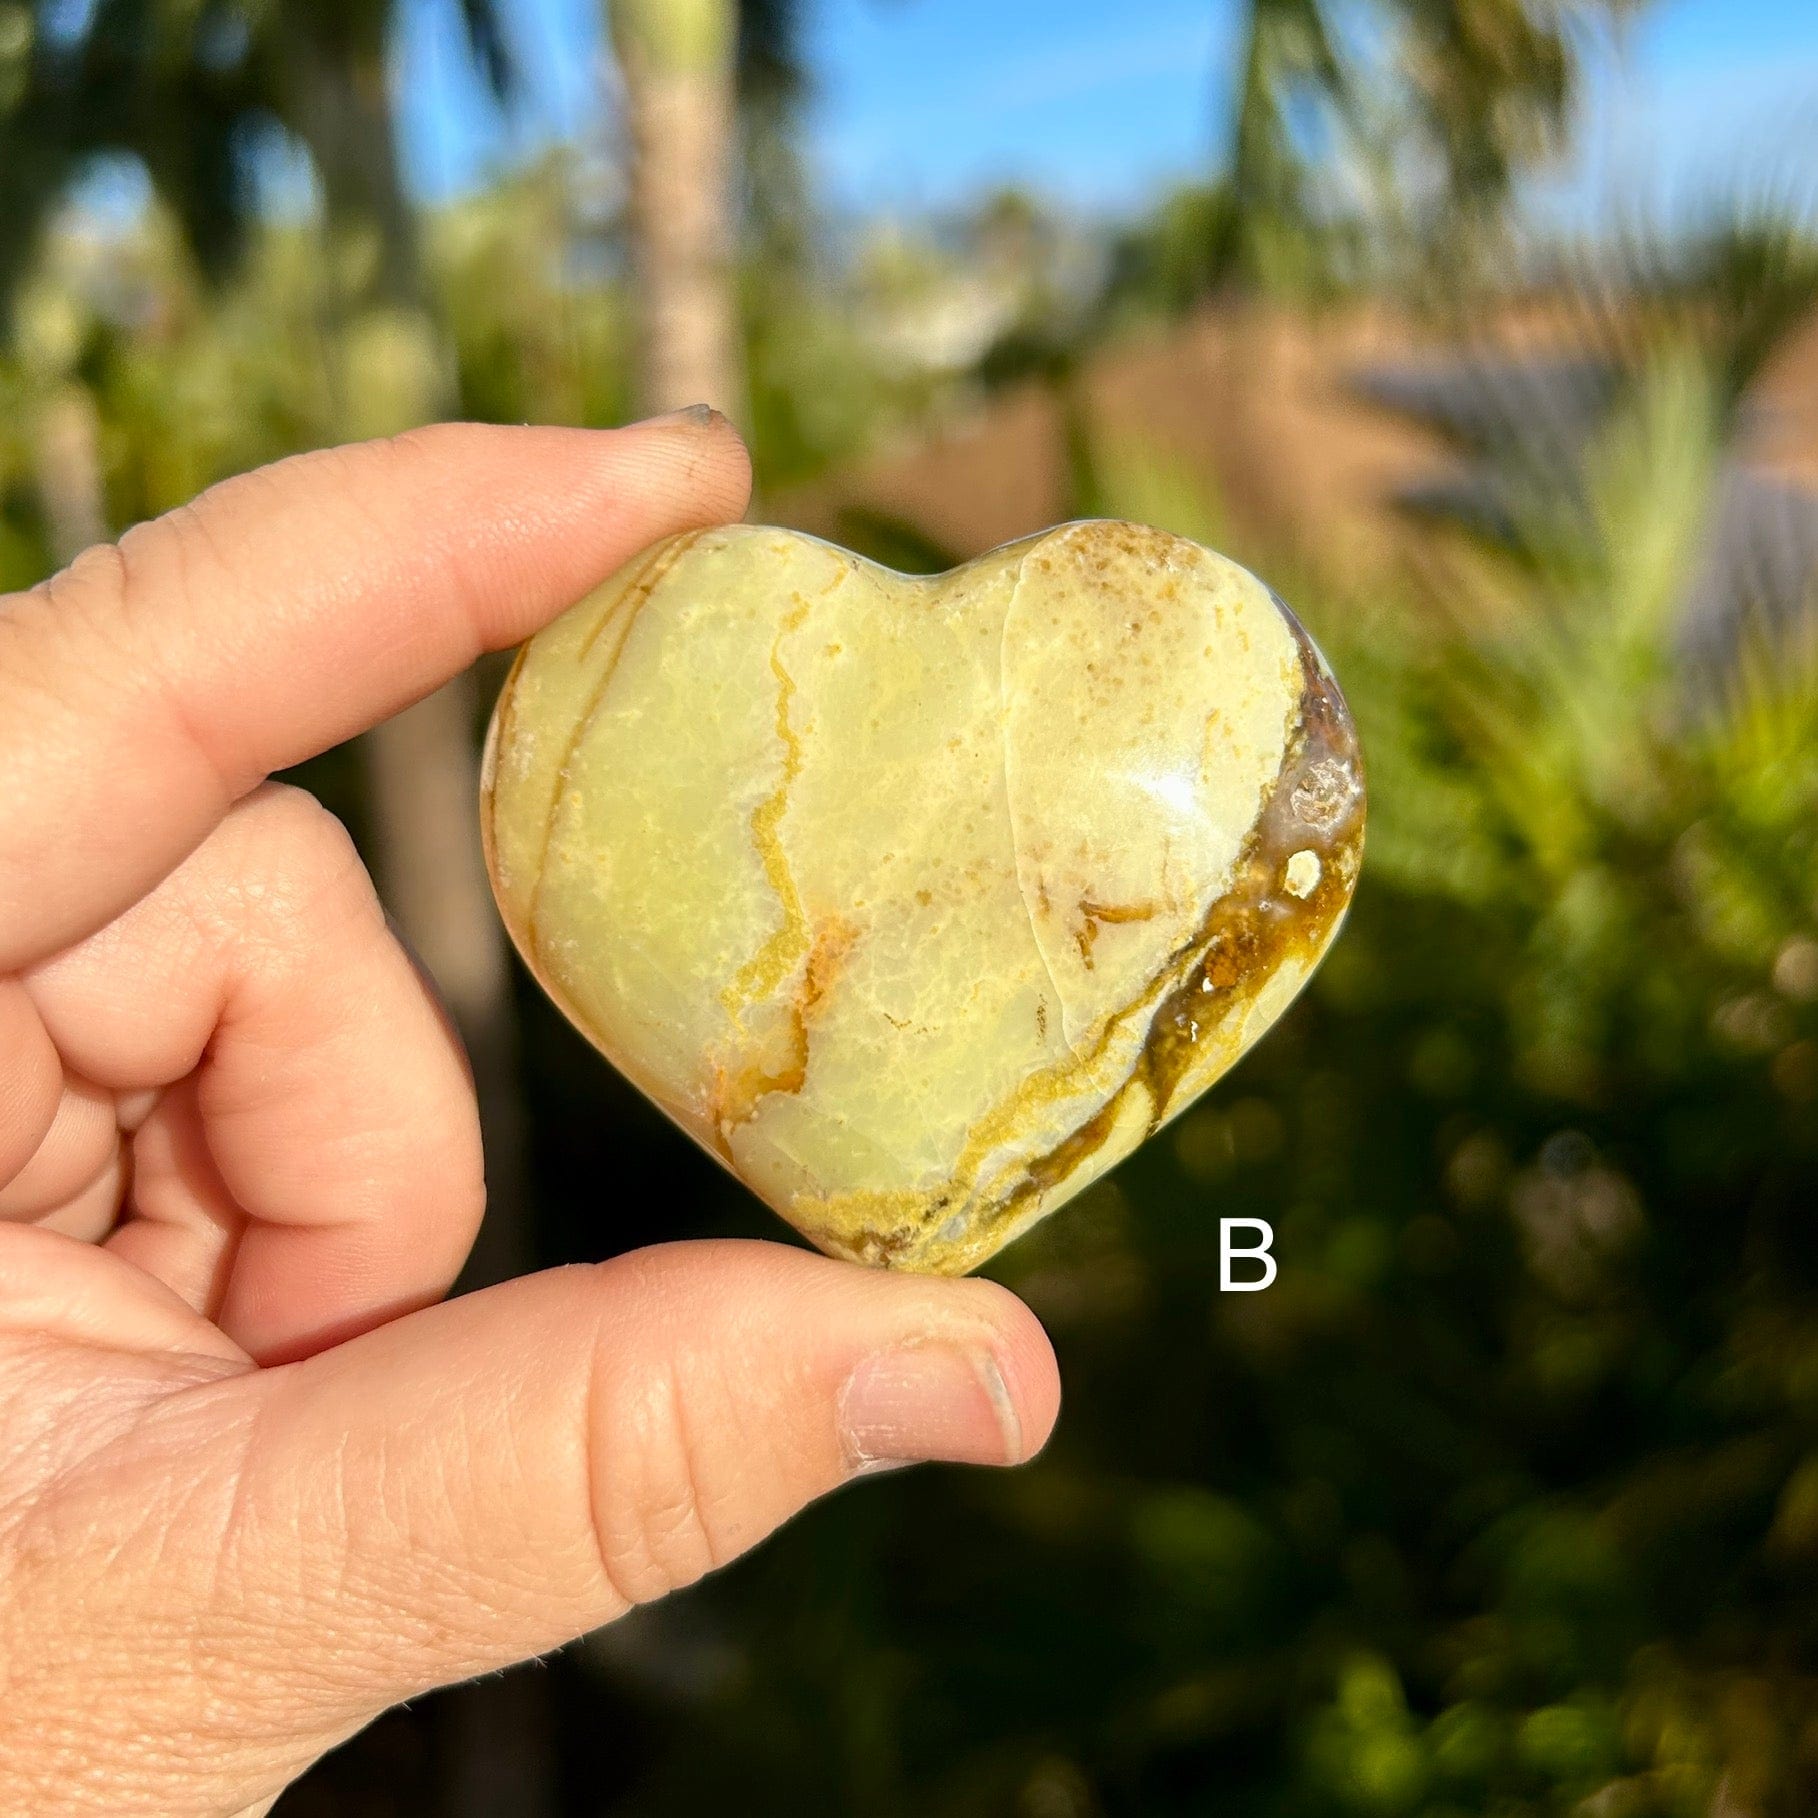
pixel 1093 916
pixel 777 1060
pixel 626 607
pixel 1317 805
pixel 737 1092
pixel 779 955
pixel 1251 931
pixel 1048 1171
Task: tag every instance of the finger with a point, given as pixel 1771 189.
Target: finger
pixel 55 1289
pixel 185 1227
pixel 151 685
pixel 81 1145
pixel 31 1079
pixel 322 1170
pixel 485 1480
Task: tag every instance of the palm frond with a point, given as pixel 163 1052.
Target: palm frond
pixel 772 68
pixel 1761 735
pixel 490 47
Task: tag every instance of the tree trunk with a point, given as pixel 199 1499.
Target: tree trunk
pixel 422 765
pixel 421 776
pixel 676 63
pixel 68 450
pixel 494 1740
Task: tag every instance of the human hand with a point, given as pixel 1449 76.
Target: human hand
pixel 254 1487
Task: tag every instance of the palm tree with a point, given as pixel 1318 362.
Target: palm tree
pixel 677 65
pixel 65 438
pixel 1434 105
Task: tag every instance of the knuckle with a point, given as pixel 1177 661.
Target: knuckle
pixel 77 611
pixel 172 557
pixel 658 1500
pixel 107 607
pixel 354 466
pixel 294 825
pixel 100 572
pixel 295 870
pixel 276 877
pixel 425 442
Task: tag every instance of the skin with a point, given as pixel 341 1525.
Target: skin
pixel 255 1485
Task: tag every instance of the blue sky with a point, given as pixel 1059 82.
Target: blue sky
pixel 920 102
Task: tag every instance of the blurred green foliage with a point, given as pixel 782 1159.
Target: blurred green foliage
pixel 1504 1500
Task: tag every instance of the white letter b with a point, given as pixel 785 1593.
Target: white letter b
pixel 1227 1253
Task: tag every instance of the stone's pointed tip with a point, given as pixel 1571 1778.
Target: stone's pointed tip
pixel 790 834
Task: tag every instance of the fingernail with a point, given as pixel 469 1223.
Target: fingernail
pixel 692 416
pixel 930 1402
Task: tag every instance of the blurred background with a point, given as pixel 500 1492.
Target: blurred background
pixel 1488 331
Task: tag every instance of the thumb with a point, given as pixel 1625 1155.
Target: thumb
pixel 482 1481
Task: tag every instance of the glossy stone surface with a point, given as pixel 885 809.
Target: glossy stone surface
pixel 920 903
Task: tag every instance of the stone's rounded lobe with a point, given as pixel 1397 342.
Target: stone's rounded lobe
pixel 920 903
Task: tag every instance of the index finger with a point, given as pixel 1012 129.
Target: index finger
pixel 147 688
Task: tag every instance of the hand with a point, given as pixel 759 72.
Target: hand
pixel 251 1492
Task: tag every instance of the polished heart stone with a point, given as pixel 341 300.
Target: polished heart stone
pixel 920 903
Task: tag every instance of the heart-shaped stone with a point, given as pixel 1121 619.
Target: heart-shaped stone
pixel 920 903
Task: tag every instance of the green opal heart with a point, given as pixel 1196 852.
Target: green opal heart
pixel 921 902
